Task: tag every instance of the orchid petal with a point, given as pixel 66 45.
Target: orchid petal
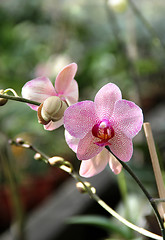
pixel 121 146
pixel 54 125
pixel 71 94
pixel 114 164
pixel 38 90
pixel 64 78
pixel 79 118
pixel 87 148
pixel 128 117
pixel 94 165
pixel 71 141
pixel 105 100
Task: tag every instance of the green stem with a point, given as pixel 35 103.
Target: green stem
pixel 92 194
pixel 150 199
pixel 19 99
pixel 96 198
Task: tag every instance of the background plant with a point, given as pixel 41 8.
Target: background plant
pixel 108 45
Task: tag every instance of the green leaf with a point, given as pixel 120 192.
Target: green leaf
pixel 101 222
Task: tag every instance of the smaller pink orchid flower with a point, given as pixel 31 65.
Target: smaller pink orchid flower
pixel 41 88
pixel 108 121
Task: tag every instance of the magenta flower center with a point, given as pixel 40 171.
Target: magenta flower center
pixel 103 130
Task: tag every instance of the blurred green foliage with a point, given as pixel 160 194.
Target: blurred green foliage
pixel 38 37
pixel 108 46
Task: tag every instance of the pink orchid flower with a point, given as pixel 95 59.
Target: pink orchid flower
pixel 66 88
pixel 108 121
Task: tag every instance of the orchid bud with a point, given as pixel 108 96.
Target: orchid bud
pixel 56 160
pixel 40 118
pixel 38 156
pixel 3 101
pixel 61 163
pixel 51 110
pixel 82 188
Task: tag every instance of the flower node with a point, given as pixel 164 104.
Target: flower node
pixel 3 101
pixel 56 160
pixel 82 188
pixel 61 163
pixel 38 156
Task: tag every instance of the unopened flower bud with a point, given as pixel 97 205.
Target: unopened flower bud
pixel 56 160
pixel 3 101
pixel 40 118
pixel 20 141
pixel 82 189
pixel 51 110
pixel 61 163
pixel 37 156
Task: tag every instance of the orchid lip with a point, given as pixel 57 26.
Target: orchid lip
pixel 103 131
pixel 102 143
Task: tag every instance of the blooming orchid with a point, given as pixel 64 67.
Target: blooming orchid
pixel 41 88
pixel 108 121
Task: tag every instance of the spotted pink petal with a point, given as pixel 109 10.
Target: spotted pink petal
pixel 95 165
pixel 128 117
pixel 54 125
pixel 105 100
pixel 79 118
pixel 121 146
pixel 87 148
pixel 71 141
pixel 71 93
pixel 38 90
pixel 64 78
pixel 114 164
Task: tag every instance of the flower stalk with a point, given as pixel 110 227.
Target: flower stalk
pixel 19 99
pixel 86 187
pixel 148 196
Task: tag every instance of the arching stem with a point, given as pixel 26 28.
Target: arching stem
pixel 128 169
pixel 19 99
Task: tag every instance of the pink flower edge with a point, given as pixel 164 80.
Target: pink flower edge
pixel 65 77
pixel 97 164
pixel 38 90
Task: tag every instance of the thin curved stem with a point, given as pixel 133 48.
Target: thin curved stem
pixel 11 90
pixel 128 169
pixel 95 197
pixel 127 223
pixel 91 193
pixel 19 99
